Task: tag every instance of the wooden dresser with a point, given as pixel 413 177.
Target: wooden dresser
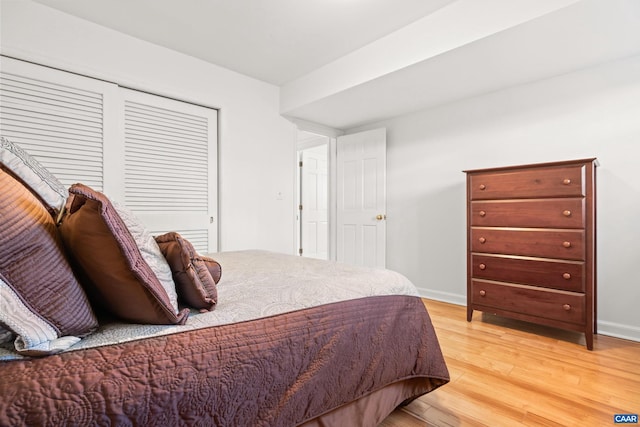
pixel 531 244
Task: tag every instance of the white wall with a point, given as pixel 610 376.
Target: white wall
pixel 256 145
pixel 591 113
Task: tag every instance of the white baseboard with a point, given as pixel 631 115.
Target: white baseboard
pixel 618 330
pixel 610 329
pixel 449 297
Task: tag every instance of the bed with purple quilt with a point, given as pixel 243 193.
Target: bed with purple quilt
pixel 103 324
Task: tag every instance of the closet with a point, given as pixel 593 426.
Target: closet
pixel 155 155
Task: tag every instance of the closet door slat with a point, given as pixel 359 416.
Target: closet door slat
pixel 171 174
pixel 60 125
pixel 170 166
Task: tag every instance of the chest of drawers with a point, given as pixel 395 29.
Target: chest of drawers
pixel 531 244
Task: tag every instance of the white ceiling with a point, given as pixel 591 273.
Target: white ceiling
pixel 345 63
pixel 272 40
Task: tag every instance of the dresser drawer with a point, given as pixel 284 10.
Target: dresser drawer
pixel 553 213
pixel 543 243
pixel 547 303
pixel 565 275
pixel 555 181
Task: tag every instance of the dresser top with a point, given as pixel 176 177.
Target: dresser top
pixel 593 160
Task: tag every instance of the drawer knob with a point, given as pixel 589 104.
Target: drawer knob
pixel 566 213
pixel 483 292
pixel 566 307
pixel 482 266
pixel 566 181
pixel 482 213
pixel 566 244
pixel 482 240
pixel 482 186
pixel 566 276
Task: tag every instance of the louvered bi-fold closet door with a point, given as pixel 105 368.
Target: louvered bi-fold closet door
pixel 60 118
pixel 156 156
pixel 170 159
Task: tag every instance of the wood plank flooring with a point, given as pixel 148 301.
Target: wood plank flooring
pixel 510 373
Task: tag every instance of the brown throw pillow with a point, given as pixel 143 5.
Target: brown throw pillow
pixel 195 276
pixel 110 264
pixel 40 298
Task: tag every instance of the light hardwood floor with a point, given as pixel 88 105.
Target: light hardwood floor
pixel 511 373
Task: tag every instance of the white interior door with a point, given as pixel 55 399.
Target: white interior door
pixel 361 198
pixel 314 197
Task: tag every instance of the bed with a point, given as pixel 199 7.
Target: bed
pixel 281 340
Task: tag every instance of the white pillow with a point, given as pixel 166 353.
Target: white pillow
pixel 33 174
pixel 150 252
pixel 36 337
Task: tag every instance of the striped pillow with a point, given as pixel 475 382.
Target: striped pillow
pixel 40 299
pixel 36 177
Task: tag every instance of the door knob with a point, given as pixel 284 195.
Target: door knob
pixel 381 217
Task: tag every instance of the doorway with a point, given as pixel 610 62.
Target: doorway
pixel 341 197
pixel 313 213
